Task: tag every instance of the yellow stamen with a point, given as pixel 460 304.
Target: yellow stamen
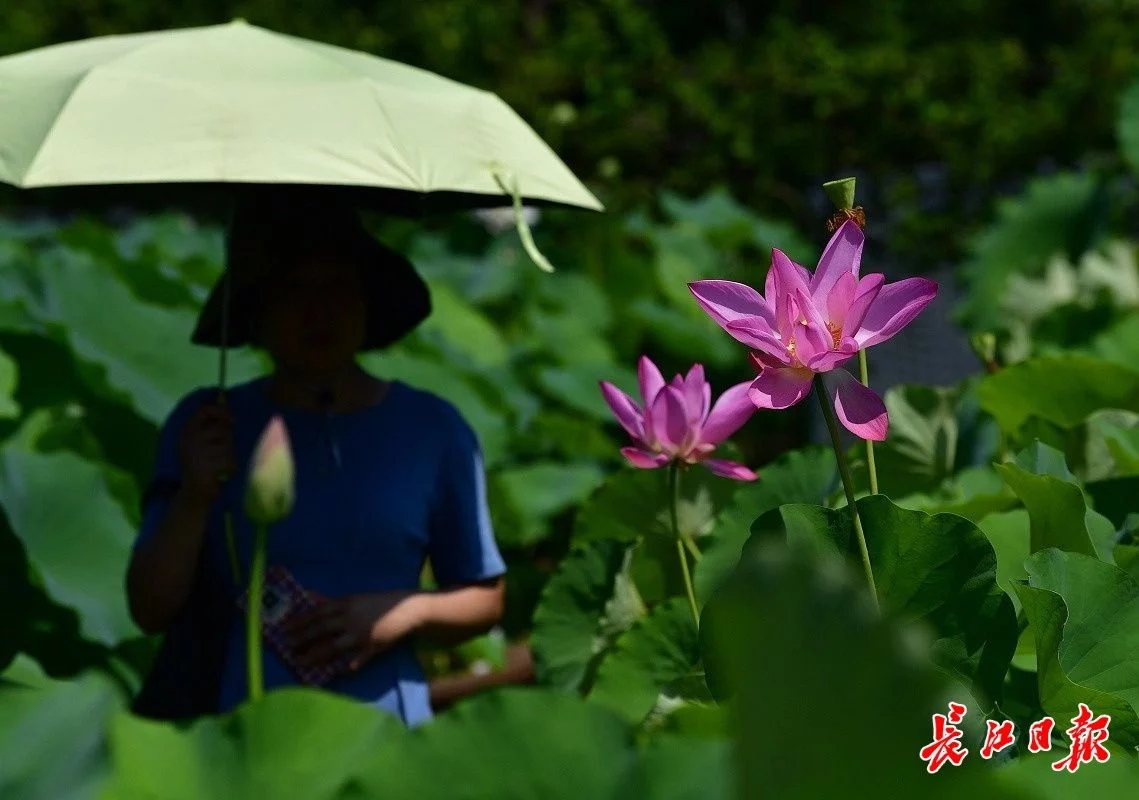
pixel 836 333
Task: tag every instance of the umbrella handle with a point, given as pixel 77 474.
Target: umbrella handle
pixel 498 171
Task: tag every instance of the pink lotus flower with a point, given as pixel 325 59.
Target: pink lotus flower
pixel 806 324
pixel 678 421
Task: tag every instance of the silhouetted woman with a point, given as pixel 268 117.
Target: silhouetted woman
pixel 387 477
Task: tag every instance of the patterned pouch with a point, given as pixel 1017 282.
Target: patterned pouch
pixel 282 599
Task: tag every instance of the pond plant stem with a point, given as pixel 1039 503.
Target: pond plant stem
pixel 870 467
pixel 673 501
pixel 847 484
pixel 253 657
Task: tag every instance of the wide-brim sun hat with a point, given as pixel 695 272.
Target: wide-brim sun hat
pixel 269 232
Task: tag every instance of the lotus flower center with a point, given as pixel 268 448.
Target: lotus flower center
pixel 836 333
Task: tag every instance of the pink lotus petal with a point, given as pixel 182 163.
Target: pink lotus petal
pixel 780 388
pixel 644 459
pixel 864 295
pixel 706 402
pixel 755 333
pixel 670 423
pixel 650 380
pixel 762 361
pixel 842 256
pixel 840 299
pixel 809 311
pixel 694 389
pixel 733 408
pixel 825 362
pixel 785 280
pixel 811 344
pixel 859 408
pixel 895 307
pixel 725 301
pixel 812 336
pixel 627 412
pixel 770 290
pixel 729 469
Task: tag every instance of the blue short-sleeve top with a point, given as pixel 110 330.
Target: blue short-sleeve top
pixel 379 492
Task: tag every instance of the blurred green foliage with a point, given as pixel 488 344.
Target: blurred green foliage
pixel 652 103
pixel 769 99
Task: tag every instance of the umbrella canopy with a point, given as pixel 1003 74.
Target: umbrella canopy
pixel 236 103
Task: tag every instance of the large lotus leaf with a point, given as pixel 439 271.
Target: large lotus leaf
pixel 632 506
pixel 131 349
pixel 685 332
pixel 1055 503
pixel 814 665
pixel 1032 776
pixel 491 277
pixel 1047 219
pixel 1106 445
pixel 465 329
pixel 569 338
pixel 658 650
pixel 53 740
pixel 576 617
pixel 166 259
pixel 683 255
pixel 78 539
pixel 293 743
pixel 60 404
pixel 1086 617
pixel 1128 125
pixel 576 293
pixel 973 493
pixel 633 503
pixel 940 569
pixel 25 672
pixel 1115 498
pixel 808 475
pixel 1120 437
pixel 35 625
pixel 1009 534
pixel 1120 342
pixel 730 224
pixel 933 433
pixel 567 316
pixel 1062 389
pixel 674 768
pixel 558 434
pixel 510 744
pixel 539 490
pixel 9 408
pixel 655 569
pixel 576 386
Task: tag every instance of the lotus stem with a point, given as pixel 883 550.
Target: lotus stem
pixel 870 467
pixel 692 548
pixel 847 484
pixel 254 661
pixel 673 500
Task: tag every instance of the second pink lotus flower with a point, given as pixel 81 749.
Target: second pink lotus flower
pixel 806 324
pixel 678 421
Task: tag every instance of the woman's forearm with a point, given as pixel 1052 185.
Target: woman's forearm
pixel 451 616
pixel 161 572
